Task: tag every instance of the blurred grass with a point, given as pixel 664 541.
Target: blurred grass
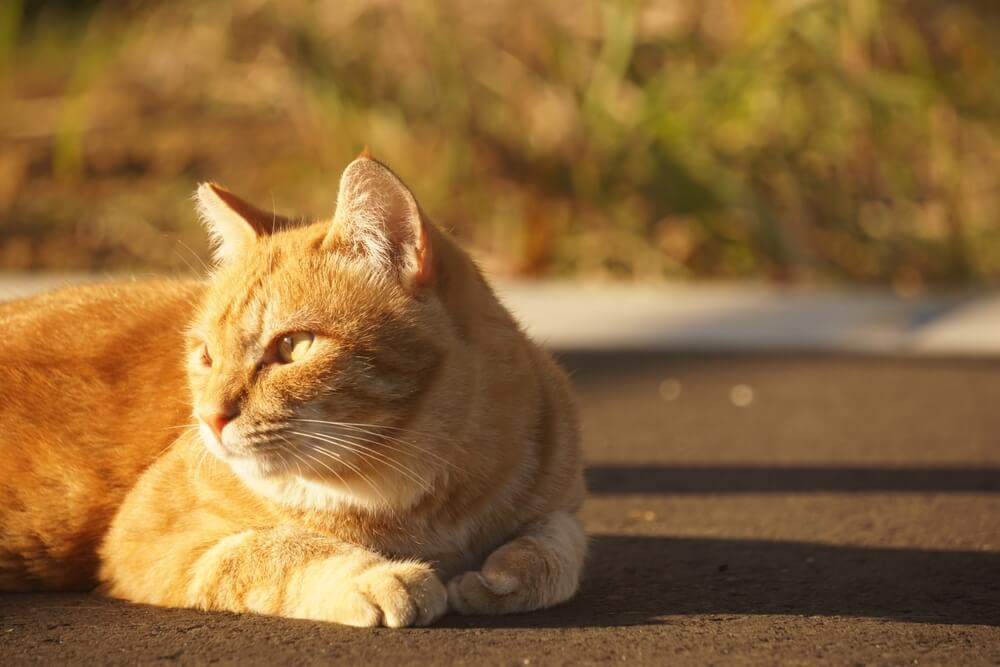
pixel 793 140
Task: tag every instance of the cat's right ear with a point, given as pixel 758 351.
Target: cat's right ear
pixel 381 220
pixel 234 224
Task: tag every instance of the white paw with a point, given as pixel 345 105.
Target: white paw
pixel 395 595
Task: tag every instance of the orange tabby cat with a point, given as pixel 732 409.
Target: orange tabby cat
pixel 370 423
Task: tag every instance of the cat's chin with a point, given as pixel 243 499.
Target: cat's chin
pixel 262 464
pixel 269 476
pixel 295 491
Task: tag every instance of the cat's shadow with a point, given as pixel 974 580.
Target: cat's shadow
pixel 643 580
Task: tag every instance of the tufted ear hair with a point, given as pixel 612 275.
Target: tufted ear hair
pixel 379 217
pixel 234 224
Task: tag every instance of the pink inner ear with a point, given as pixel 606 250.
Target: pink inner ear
pixel 425 259
pixel 262 222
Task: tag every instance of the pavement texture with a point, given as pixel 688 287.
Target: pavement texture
pixel 745 508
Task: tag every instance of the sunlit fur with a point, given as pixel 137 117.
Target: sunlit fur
pixel 421 454
pixel 91 392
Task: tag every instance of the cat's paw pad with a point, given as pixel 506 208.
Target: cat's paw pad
pixel 489 591
pixel 395 595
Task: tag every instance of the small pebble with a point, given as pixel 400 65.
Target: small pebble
pixel 741 395
pixel 670 389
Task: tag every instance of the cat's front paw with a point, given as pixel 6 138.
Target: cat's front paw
pixel 393 594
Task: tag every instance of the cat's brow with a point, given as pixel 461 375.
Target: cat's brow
pixel 269 321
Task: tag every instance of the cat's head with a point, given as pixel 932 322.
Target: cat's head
pixel 319 343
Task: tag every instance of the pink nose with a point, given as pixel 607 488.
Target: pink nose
pixel 217 416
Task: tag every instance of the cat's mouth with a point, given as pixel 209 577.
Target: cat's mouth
pixel 264 454
pixel 227 447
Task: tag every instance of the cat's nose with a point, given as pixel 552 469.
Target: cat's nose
pixel 217 416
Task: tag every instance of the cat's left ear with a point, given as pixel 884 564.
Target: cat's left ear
pixel 233 223
pixel 378 216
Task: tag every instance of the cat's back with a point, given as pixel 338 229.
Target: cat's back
pixel 96 338
pixel 101 307
pixel 92 388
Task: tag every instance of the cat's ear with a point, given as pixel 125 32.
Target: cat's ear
pixel 379 217
pixel 233 223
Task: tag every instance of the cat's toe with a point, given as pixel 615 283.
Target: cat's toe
pixel 429 596
pixel 358 611
pixel 405 593
pixel 485 592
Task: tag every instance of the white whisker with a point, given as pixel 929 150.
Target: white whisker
pixel 377 456
pixel 291 450
pixel 333 455
pixel 357 471
pixel 407 443
pixel 184 426
pixel 354 468
pixel 325 465
pixel 381 426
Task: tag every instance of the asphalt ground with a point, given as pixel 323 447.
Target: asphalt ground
pixel 747 509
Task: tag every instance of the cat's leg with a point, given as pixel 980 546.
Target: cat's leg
pixel 539 568
pixel 281 571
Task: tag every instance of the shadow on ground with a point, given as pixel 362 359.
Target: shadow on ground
pixel 598 366
pixel 642 580
pixel 639 479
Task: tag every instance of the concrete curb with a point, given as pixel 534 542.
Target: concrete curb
pixel 755 318
pixel 584 316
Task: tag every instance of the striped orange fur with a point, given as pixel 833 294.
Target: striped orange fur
pixel 343 423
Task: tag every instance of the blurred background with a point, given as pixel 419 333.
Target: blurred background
pixel 797 141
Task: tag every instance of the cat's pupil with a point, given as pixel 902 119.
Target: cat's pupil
pixel 294 346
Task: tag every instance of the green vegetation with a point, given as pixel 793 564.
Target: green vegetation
pixel 840 140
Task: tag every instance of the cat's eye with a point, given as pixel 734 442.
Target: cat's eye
pixel 293 347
